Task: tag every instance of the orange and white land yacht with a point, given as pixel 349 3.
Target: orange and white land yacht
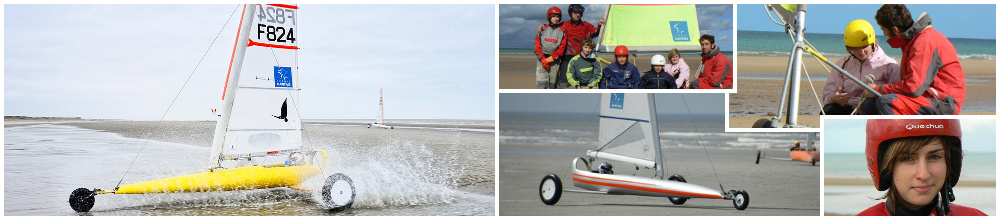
pixel 808 153
pixel 628 135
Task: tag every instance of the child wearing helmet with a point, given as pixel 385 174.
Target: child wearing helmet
pixel 584 70
pixel 865 59
pixel 550 43
pixel 716 71
pixel 677 68
pixel 656 77
pixel 917 161
pixel 621 74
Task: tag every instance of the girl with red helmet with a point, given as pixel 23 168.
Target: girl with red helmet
pixel 621 74
pixel 918 162
pixel 550 42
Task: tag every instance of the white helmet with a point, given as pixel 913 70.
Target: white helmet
pixel 658 60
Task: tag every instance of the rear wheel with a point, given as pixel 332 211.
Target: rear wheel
pixel 813 161
pixel 758 157
pixel 676 200
pixel 741 199
pixel 338 192
pixel 762 123
pixel 81 199
pixel 550 190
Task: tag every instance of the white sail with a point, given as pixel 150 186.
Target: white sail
pixel 381 110
pixel 628 129
pixel 260 112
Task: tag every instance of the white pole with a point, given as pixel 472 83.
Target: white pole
pixel 231 86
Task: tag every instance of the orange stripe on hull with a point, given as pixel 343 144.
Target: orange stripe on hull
pixel 640 188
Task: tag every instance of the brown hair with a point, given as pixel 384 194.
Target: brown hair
pixel 710 38
pixel 673 52
pixel 894 15
pixel 587 42
pixel 899 147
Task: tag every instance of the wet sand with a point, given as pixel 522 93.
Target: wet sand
pixel 774 187
pixel 759 98
pixel 518 71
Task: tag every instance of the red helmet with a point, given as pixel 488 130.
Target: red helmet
pixel 621 50
pixel 881 130
pixel 553 10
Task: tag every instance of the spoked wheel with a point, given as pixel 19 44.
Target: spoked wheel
pixel 676 200
pixel 762 123
pixel 338 192
pixel 550 190
pixel 81 200
pixel 741 199
pixel 758 157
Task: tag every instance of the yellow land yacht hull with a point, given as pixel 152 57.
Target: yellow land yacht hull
pixel 243 178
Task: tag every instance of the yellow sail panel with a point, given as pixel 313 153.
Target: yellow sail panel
pixel 650 28
pixel 254 177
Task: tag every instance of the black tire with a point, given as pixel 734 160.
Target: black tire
pixel 550 187
pixel 741 199
pixel 340 203
pixel 81 200
pixel 676 200
pixel 758 157
pixel 813 161
pixel 762 123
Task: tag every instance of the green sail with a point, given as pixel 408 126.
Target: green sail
pixel 650 28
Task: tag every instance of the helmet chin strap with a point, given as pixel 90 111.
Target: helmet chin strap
pixel 947 196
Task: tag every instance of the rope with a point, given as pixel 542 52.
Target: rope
pixel 178 95
pixel 702 142
pixel 871 79
pixel 813 88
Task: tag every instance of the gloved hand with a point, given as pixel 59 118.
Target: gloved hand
pixel 544 64
pixel 550 59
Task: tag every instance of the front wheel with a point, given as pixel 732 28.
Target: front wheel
pixel 741 199
pixel 338 192
pixel 550 190
pixel 676 200
pixel 758 157
pixel 762 123
pixel 813 161
pixel 81 199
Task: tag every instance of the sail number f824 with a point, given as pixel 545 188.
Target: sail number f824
pixel 276 24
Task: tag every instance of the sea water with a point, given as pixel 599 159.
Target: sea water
pixel 766 43
pixel 43 163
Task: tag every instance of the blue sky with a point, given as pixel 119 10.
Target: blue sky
pixel 128 61
pixel 518 23
pixel 956 21
pixel 848 135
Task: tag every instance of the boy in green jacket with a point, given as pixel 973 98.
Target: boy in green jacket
pixel 584 70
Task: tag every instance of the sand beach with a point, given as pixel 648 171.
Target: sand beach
pixel 759 89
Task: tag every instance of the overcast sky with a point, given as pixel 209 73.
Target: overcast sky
pixel 698 103
pixel 959 20
pixel 518 23
pixel 848 135
pixel 129 61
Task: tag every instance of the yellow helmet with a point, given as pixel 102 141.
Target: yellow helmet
pixel 859 33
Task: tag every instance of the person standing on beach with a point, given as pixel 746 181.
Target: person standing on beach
pixel 865 58
pixel 621 74
pixel 677 68
pixel 656 77
pixel 576 31
pixel 932 79
pixel 584 70
pixel 550 43
pixel 716 70
pixel 917 165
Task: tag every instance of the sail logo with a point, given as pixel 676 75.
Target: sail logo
pixel 913 126
pixel 617 100
pixel 282 76
pixel 680 30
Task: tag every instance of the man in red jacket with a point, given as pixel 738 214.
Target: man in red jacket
pixel 717 72
pixel 932 79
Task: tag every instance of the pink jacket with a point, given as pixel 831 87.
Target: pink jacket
pixel 881 66
pixel 680 66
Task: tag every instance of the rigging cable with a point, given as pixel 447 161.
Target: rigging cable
pixel 702 142
pixel 178 95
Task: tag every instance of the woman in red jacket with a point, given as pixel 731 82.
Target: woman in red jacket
pixel 917 161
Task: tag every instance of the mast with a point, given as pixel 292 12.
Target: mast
pixel 232 80
pixel 660 167
pixel 381 108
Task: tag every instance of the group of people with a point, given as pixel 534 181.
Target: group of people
pixel 566 60
pixel 929 79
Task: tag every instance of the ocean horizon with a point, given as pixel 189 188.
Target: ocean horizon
pixel 768 43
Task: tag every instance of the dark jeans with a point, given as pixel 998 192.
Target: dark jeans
pixel 867 107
